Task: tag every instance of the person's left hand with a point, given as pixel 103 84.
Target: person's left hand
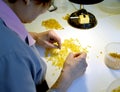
pixel 47 39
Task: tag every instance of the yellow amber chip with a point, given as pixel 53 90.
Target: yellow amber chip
pixel 58 56
pixel 116 89
pixel 51 24
pixel 115 55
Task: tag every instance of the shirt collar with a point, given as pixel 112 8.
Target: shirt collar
pixel 13 22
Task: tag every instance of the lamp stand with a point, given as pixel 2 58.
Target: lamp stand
pixel 82 19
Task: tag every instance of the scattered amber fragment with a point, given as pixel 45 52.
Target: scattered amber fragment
pixel 51 24
pixel 116 89
pixel 66 17
pixel 58 56
pixel 115 55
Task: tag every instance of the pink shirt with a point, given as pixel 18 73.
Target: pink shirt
pixel 14 23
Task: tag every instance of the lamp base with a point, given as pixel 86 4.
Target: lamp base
pixel 74 19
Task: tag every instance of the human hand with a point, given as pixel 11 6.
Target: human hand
pixel 74 67
pixel 47 39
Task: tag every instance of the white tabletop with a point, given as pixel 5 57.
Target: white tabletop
pixel 97 76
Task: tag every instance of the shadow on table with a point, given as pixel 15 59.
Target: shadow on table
pixel 79 85
pixel 115 73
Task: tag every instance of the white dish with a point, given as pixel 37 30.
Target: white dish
pixel 115 84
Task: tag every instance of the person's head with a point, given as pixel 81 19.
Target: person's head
pixel 28 10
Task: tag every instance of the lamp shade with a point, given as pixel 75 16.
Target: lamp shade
pixel 86 1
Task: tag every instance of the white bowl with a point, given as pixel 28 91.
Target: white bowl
pixel 115 84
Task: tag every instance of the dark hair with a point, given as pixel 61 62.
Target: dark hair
pixel 12 1
pixel 44 2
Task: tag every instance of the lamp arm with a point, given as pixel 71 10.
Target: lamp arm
pixel 81 6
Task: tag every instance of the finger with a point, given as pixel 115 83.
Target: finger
pixel 50 45
pixel 59 44
pixel 70 57
pixel 58 41
pixel 81 55
pixel 76 55
pixel 55 38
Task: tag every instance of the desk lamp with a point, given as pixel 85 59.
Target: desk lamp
pixel 81 18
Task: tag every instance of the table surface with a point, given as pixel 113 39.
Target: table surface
pixel 97 76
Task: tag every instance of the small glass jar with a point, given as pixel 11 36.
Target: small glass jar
pixel 112 55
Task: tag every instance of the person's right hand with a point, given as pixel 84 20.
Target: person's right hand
pixel 74 67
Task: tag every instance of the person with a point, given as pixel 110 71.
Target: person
pixel 21 67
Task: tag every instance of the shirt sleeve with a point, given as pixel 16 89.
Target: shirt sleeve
pixel 17 73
